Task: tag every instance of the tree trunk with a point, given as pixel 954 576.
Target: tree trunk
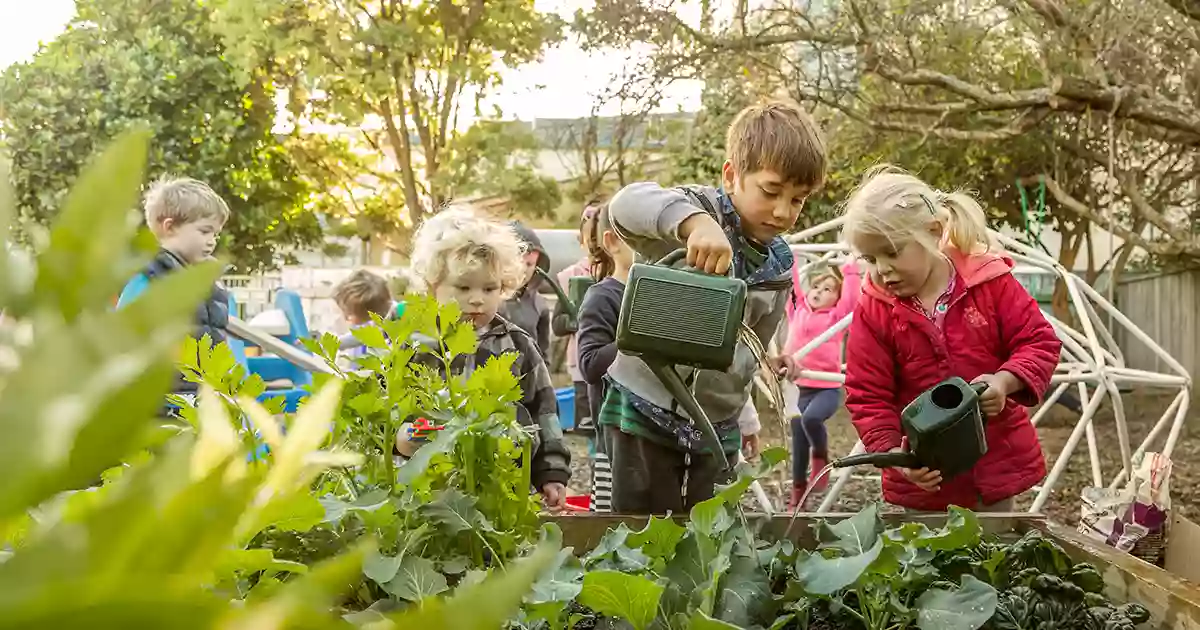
pixel 402 153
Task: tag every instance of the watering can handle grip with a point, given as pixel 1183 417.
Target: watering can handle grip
pixel 979 387
pixel 672 258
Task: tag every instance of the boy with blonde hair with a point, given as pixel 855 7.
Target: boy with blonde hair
pixel 186 216
pixel 461 256
pixel 775 159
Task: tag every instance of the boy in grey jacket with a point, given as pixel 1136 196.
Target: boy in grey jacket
pixel 775 158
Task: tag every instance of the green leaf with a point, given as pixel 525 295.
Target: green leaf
pixel 711 517
pixel 371 336
pixel 80 268
pixel 824 576
pixel 309 599
pixel 380 568
pixel 255 560
pixel 416 579
pixel 484 605
pixel 701 621
pixel 658 538
pixel 462 341
pixel 745 593
pixel 561 582
pixel 298 512
pixel 749 472
pixel 962 530
pixel 854 535
pixel 629 597
pixel 102 400
pixel 456 512
pixel 967 608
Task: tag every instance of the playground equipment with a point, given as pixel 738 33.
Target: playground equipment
pixel 285 377
pixel 1091 361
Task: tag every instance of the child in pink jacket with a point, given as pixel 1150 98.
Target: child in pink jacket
pixel 815 307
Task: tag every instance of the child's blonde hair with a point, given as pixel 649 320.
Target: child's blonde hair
pixel 183 200
pixel 777 136
pixel 363 293
pixel 460 238
pixel 893 203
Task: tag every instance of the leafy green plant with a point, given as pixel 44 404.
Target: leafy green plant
pixel 165 540
pixel 462 505
pixel 713 572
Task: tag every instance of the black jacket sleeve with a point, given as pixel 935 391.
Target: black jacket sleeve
pixel 598 331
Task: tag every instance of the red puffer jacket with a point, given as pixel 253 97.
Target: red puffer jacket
pixel 895 353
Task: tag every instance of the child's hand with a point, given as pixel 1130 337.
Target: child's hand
pixel 784 366
pixel 707 246
pixel 923 478
pixel 1000 385
pixel 554 496
pixel 750 446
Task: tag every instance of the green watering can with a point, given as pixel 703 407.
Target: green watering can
pixel 945 431
pixel 672 316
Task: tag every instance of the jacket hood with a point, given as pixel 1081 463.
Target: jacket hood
pixel 974 269
pixel 530 238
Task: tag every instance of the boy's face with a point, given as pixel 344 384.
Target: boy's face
pixel 531 260
pixel 194 241
pixel 352 317
pixel 767 204
pixel 477 292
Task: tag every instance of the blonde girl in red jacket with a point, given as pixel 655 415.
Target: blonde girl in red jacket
pixel 940 300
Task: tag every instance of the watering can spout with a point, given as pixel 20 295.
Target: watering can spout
pixel 891 459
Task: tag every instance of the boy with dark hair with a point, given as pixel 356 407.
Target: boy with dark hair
pixel 775 159
pixel 360 296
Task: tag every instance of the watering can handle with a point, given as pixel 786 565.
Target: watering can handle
pixel 672 258
pixel 979 387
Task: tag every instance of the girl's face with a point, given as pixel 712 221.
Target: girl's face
pixel 617 249
pixel 901 267
pixel 477 292
pixel 823 294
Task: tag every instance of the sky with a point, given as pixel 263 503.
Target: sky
pixel 559 86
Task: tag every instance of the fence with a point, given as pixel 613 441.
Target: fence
pixel 1166 307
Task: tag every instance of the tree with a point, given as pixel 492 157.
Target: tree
pixel 160 66
pixel 498 158
pixel 1107 90
pixel 398 73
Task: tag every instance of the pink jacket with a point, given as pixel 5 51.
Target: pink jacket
pixel 581 268
pixel 805 324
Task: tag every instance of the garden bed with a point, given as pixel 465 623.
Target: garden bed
pixel 1172 602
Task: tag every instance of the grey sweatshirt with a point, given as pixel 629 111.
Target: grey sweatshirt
pixel 648 216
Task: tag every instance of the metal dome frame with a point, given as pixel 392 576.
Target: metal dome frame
pixel 1091 360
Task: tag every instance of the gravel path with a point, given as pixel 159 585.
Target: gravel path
pixel 1142 410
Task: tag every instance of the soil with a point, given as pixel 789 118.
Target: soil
pixel 1142 411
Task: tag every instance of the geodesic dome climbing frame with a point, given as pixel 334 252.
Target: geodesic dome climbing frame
pixel 1091 361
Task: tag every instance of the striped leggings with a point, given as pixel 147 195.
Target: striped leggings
pixel 601 501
